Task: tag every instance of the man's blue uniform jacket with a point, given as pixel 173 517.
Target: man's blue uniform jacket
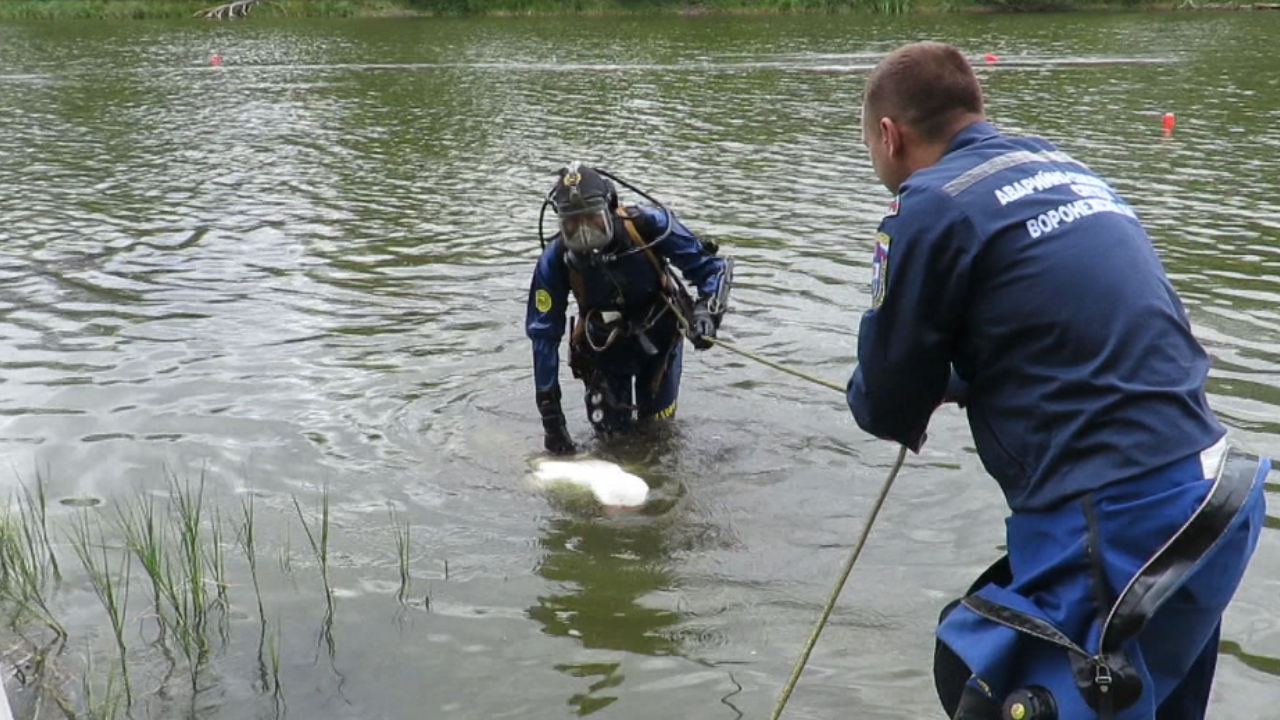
pixel 1014 275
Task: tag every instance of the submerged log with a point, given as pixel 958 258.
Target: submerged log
pixel 237 9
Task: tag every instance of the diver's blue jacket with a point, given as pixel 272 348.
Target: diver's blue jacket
pixel 631 284
pixel 1010 275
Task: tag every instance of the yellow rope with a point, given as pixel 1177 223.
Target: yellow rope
pixel 862 539
pixel 684 327
pixel 776 366
pixel 835 592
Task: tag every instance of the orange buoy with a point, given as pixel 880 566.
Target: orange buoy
pixel 991 58
pixel 1169 121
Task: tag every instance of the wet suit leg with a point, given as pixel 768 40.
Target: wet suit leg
pixel 1190 699
pixel 658 384
pixel 1168 616
pixel 1179 644
pixel 608 401
pixel 960 697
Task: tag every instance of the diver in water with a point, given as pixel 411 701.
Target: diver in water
pixel 633 312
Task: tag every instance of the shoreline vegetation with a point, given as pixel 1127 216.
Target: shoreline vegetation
pixel 193 9
pixel 182 578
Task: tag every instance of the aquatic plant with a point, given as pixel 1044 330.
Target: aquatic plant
pixel 319 540
pixel 176 542
pixel 401 530
pixel 27 561
pixel 111 587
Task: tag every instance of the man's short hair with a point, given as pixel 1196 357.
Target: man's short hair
pixel 926 86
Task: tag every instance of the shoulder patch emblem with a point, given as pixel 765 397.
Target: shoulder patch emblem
pixel 880 270
pixel 542 300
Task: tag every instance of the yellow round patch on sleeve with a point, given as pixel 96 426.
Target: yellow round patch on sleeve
pixel 542 300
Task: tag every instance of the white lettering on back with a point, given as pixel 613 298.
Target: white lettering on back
pixel 1047 222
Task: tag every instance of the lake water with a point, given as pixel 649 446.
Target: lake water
pixel 306 269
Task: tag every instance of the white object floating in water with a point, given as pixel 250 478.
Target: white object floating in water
pixel 608 482
pixel 5 712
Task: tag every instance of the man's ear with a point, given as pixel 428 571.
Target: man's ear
pixel 891 132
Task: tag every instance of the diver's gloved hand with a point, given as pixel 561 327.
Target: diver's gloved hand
pixel 702 326
pixel 555 432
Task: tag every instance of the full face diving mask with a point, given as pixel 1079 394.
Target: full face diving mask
pixel 581 201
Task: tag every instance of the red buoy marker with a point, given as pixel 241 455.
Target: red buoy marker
pixel 990 58
pixel 216 60
pixel 1169 121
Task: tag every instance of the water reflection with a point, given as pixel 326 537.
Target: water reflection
pixel 605 569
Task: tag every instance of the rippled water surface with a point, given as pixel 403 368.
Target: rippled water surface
pixel 306 269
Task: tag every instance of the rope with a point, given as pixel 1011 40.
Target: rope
pixel 862 539
pixel 776 366
pixel 684 327
pixel 835 591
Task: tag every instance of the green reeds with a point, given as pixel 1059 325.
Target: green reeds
pixel 286 553
pixel 191 562
pixel 181 577
pixel 216 557
pixel 401 530
pixel 111 587
pixel 27 561
pixel 145 538
pixel 249 544
pixel 39 506
pixel 175 544
pixel 273 650
pixel 95 9
pixel 187 9
pixel 181 584
pixel 108 706
pixel 319 540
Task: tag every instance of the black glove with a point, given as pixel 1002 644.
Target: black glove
pixel 555 433
pixel 702 326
